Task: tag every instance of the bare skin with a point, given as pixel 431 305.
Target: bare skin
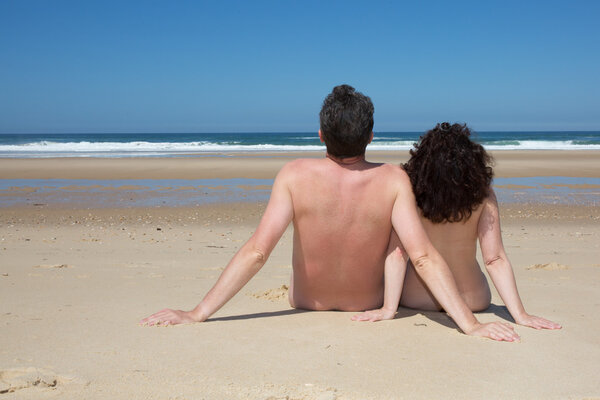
pixel 343 211
pixel 457 243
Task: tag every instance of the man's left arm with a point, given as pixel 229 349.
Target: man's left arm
pixel 434 271
pixel 245 264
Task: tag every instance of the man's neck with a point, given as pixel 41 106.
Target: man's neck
pixel 346 161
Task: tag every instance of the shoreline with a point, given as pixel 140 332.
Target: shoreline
pixel 177 193
pixel 524 177
pixel 508 163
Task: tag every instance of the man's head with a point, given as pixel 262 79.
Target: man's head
pixel 346 122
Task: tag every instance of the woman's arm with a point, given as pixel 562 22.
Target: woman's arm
pixel 499 267
pixel 395 269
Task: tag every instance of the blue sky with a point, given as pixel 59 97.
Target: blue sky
pixel 177 66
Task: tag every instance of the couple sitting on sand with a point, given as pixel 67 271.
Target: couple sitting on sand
pixel 356 223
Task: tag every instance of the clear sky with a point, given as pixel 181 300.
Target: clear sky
pixel 228 66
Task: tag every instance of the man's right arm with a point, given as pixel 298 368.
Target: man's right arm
pixel 432 268
pixel 246 262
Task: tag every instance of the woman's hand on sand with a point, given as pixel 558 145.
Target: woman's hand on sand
pixel 537 322
pixel 500 331
pixel 170 317
pixel 375 315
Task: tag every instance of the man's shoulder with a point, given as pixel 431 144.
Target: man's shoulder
pixel 394 178
pixel 298 168
pixel 393 171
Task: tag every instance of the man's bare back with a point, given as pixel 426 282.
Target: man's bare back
pixel 337 210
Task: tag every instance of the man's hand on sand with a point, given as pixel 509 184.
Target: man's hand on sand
pixel 379 314
pixel 537 322
pixel 500 331
pixel 170 317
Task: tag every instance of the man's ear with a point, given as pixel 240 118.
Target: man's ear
pixel 370 137
pixel 323 141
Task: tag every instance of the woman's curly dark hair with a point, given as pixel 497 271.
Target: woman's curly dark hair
pixel 450 174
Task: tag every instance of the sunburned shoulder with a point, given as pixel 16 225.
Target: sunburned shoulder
pixel 300 165
pixel 298 169
pixel 392 169
pixel 395 174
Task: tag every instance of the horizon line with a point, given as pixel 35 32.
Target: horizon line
pixel 282 131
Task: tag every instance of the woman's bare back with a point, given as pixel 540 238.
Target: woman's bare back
pixel 457 243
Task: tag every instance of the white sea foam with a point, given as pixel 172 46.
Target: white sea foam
pixel 145 147
pixel 542 145
pixel 120 149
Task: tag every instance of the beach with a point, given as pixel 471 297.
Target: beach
pixel 86 251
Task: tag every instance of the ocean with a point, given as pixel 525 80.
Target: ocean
pixel 182 144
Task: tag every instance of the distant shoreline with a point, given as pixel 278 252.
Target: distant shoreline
pixel 265 165
pixel 551 177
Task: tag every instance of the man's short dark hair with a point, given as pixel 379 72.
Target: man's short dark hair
pixel 450 174
pixel 346 122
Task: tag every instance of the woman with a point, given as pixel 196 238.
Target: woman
pixel 451 178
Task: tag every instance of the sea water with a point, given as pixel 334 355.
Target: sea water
pixel 185 144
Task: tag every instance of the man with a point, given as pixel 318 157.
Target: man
pixel 343 209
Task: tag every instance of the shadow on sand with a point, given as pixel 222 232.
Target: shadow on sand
pixel 435 316
pixel 258 315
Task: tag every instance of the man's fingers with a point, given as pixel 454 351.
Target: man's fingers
pixel 543 323
pixel 503 332
pixel 163 317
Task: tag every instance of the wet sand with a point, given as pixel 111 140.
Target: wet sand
pixel 75 280
pixel 520 163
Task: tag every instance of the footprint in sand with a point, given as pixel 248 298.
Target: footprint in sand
pixel 15 379
pixel 549 267
pixel 278 294
pixel 51 266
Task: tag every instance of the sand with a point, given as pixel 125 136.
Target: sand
pixel 74 282
pixel 584 163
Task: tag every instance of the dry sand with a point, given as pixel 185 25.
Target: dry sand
pixel 75 282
